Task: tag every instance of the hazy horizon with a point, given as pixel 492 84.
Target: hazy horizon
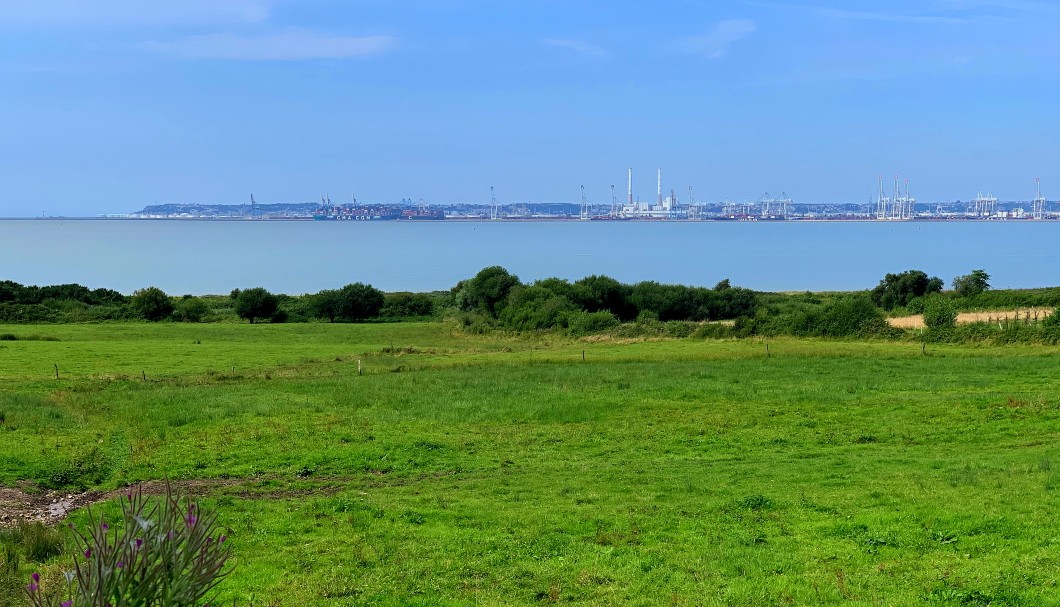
pixel 117 104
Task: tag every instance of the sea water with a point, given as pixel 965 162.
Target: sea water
pixel 214 257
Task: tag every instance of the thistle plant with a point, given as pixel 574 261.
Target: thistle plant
pixel 164 552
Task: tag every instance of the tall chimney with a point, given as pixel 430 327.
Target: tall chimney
pixel 630 187
pixel 660 187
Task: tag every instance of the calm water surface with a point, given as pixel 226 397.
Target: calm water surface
pixel 295 257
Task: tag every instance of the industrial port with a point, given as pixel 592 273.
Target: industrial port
pixel 893 201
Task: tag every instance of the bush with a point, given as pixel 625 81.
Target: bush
pixel 714 330
pixel 939 313
pixel 191 309
pixel 1053 320
pixel 581 324
pixel 487 291
pixel 26 313
pixel 407 305
pixel 536 308
pixel 164 551
pixel 855 316
pixel 252 304
pixel 151 304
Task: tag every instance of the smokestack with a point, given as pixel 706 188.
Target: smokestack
pixel 630 187
pixel 660 187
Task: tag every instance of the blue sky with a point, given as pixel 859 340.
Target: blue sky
pixel 109 105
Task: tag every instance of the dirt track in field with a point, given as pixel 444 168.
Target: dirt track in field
pixel 917 321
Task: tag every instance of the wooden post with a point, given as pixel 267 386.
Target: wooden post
pixel 923 348
pixel 768 355
pixel 583 355
pixel 143 375
pixel 359 369
pixel 56 371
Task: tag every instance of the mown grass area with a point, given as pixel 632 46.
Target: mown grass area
pixel 488 470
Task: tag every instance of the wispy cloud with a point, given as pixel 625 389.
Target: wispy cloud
pixel 289 45
pixel 124 13
pixel 889 17
pixel 1028 6
pixel 585 48
pixel 715 43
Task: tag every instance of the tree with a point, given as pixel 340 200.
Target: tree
pixel 358 301
pixel 151 303
pixel 326 304
pixel 971 284
pixel 255 303
pixel 897 290
pixel 487 290
pixel 605 294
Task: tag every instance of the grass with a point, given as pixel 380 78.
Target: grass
pixel 487 470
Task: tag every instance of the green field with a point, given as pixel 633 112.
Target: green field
pixel 459 470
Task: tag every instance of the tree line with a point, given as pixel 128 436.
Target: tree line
pixel 496 299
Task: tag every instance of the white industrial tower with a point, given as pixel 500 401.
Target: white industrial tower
pixel 883 203
pixel 660 188
pixel 1039 201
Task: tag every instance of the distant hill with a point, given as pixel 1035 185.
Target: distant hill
pixel 281 209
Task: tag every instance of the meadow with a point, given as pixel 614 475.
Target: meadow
pixel 455 469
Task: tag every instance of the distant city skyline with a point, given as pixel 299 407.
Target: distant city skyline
pixel 114 104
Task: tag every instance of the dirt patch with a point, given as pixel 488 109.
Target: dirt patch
pixel 964 318
pixel 50 507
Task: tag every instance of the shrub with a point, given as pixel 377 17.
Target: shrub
pixel 843 317
pixel 151 304
pixel 939 313
pixel 191 309
pixel 407 305
pixel 163 551
pixel 1053 320
pixel 581 324
pixel 26 313
pixel 487 291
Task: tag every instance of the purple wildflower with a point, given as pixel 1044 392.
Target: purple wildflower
pixel 88 553
pixel 66 604
pixel 104 526
pixel 31 587
pixel 36 577
pixel 119 565
pixel 139 542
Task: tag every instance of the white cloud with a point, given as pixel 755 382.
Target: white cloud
pixel 292 44
pixel 120 13
pixel 586 48
pixel 715 43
